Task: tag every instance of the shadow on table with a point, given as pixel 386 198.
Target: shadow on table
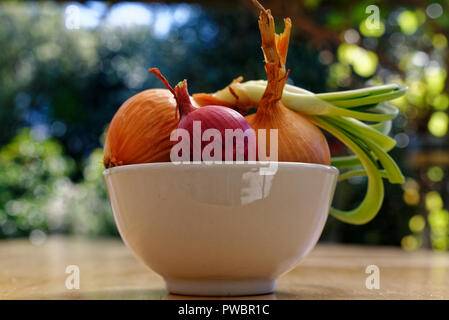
pixel 149 294
pixel 308 292
pixel 258 297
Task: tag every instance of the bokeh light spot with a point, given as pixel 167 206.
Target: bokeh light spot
pixel 435 77
pixel 433 201
pixel 408 22
pixel 409 243
pixel 434 10
pixel 439 222
pixel 435 174
pixel 371 32
pixel 417 223
pixel 411 197
pixel 129 14
pixel 402 140
pixel 420 59
pixel 351 36
pixel 439 41
pixel 363 61
pixel 438 124
pixel 163 23
pixel 326 57
pixel 441 102
pixel 37 237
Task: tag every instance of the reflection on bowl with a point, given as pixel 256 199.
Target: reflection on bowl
pixel 220 229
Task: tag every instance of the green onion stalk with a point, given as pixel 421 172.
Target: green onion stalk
pixel 361 119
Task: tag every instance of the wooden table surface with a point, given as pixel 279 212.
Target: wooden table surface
pixel 109 271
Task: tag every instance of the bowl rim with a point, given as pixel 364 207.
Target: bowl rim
pixel 202 165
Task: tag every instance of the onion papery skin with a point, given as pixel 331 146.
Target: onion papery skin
pixel 140 130
pixel 299 140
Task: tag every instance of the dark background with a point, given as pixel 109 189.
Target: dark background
pixel 65 68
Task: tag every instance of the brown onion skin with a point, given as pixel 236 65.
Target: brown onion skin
pixel 299 140
pixel 140 130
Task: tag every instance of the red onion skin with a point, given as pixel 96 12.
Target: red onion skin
pixel 210 117
pixel 220 118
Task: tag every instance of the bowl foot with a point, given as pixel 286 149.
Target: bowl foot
pixel 220 288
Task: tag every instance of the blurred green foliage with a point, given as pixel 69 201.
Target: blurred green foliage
pixel 61 83
pixel 36 191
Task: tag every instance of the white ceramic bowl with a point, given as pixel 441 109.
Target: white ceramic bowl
pixel 222 229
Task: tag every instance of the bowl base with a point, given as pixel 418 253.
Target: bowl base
pixel 220 288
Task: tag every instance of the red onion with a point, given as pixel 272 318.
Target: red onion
pixel 237 140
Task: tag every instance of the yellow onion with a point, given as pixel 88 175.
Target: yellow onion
pixel 299 140
pixel 140 130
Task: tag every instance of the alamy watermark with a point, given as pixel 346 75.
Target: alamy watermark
pixel 238 146
pixel 373 20
pixel 73 280
pixel 72 17
pixel 373 280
